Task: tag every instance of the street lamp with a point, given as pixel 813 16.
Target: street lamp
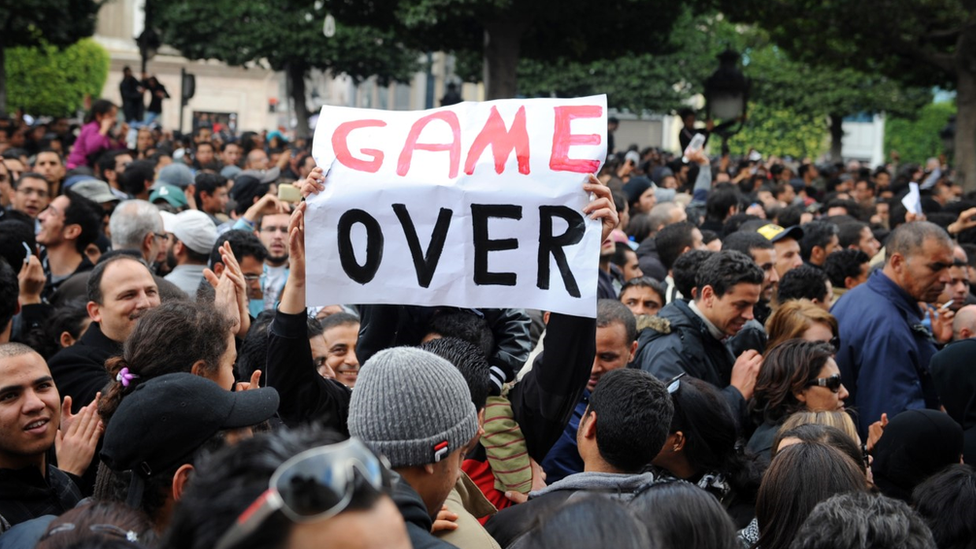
pixel 948 136
pixel 727 90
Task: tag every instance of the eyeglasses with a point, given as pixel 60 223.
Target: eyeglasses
pixel 253 278
pixel 833 382
pixel 314 485
pixel 675 383
pixel 161 236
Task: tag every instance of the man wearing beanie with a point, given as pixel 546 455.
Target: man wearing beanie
pixel 195 235
pixel 415 408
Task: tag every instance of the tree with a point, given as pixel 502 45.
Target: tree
pixel 920 42
pixel 917 139
pixel 777 130
pixel 287 35
pixel 45 81
pixel 505 31
pixel 59 22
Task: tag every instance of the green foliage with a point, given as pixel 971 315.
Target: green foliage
pixel 780 131
pixel 285 33
pixel 917 140
pixel 46 81
pixel 54 22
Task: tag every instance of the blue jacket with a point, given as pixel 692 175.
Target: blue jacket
pixel 884 351
pixel 564 458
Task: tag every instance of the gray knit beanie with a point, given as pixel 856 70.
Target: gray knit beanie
pixel 411 406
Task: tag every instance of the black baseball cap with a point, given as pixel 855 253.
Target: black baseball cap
pixel 166 419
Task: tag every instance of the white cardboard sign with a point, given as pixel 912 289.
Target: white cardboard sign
pixel 473 205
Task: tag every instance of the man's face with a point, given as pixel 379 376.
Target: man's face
pixel 60 126
pixel 15 167
pixel 32 196
pixel 205 153
pixel 957 289
pixel 697 240
pixel 30 410
pixel 274 236
pixel 6 186
pixel 862 192
pixel 926 273
pixel 128 292
pixel 52 222
pixel 642 300
pixel 731 311
pixel 766 259
pixel 631 268
pixel 49 165
pixel 862 277
pixel 868 243
pixel 787 255
pixel 257 160
pixel 340 346
pixel 215 203
pixel 613 352
pixel 144 140
pixel 832 246
pixel 231 155
pixel 203 134
pixel 252 269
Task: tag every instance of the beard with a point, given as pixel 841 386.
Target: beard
pixel 170 259
pixel 278 259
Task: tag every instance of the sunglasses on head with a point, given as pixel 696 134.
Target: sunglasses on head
pixel 833 382
pixel 675 383
pixel 316 484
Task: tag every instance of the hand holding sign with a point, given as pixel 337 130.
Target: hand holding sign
pixel 482 200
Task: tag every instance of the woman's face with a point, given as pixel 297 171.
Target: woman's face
pixel 624 216
pixel 112 113
pixel 822 399
pixel 647 200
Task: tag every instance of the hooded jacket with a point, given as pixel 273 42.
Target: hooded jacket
pixel 512 523
pixel 687 346
pixel 955 380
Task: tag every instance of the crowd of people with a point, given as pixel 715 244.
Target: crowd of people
pixel 779 359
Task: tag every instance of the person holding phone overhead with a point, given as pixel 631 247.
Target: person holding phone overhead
pixel 97 135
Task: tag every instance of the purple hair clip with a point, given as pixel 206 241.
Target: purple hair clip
pixel 124 377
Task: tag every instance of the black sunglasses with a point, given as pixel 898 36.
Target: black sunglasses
pixel 833 382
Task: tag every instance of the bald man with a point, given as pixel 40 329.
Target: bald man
pixel 964 324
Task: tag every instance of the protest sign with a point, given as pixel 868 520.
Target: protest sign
pixel 473 205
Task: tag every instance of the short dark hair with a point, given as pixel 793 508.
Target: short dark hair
pixel 798 478
pixel 720 201
pixel 682 514
pixel 843 264
pixel 469 360
pixel 253 352
pixel 644 282
pixel 746 242
pixel 242 243
pixel 850 233
pixel 133 179
pixel 816 233
pixel 463 325
pixel 13 236
pixel 106 160
pixel 227 482
pixel 25 176
pixel 685 271
pixel 633 411
pixel 94 286
pixel 947 503
pixel 50 150
pixel 861 520
pixel 789 216
pixel 612 311
pixel 590 521
pixel 9 294
pixel 724 270
pixel 207 182
pixel 85 213
pixel 803 282
pixel 619 257
pixel 345 319
pixel 672 240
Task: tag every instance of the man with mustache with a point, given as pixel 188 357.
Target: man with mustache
pixel 885 349
pixel 120 290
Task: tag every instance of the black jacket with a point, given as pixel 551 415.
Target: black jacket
pixel 385 326
pixel 26 495
pixel 79 370
pixel 649 261
pixel 544 399
pixel 414 513
pixel 305 395
pixel 689 347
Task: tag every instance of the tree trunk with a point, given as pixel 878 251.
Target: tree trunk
pixel 503 44
pixel 964 149
pixel 837 137
pixel 3 81
pixel 295 73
